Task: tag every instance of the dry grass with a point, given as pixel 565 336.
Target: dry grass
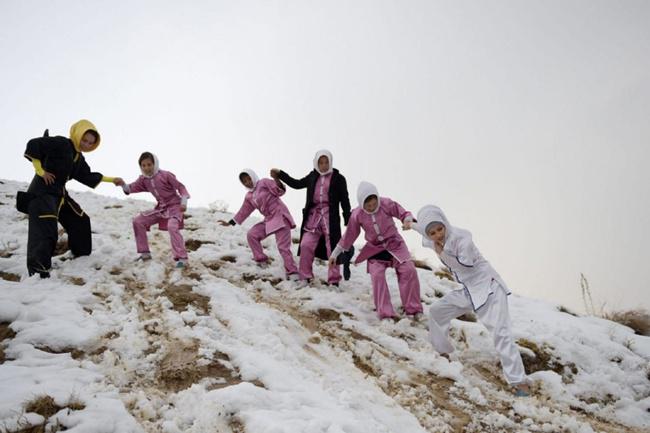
pixel 638 320
pixel 422 264
pixel 544 360
pixel 43 405
pixel 563 309
pixel 444 274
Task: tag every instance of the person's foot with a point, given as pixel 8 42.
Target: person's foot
pixel 293 277
pixel 336 284
pixel 415 316
pixel 522 390
pixel 144 257
pixel 180 264
pixel 263 264
pixel 301 284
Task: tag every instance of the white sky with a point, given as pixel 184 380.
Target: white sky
pixel 528 122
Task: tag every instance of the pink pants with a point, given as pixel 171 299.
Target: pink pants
pixel 308 246
pixel 257 233
pixel 409 286
pixel 141 225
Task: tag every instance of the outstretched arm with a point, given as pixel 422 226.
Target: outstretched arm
pixel 290 181
pixel 351 234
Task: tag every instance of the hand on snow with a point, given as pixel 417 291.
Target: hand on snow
pixel 48 178
pixel 223 223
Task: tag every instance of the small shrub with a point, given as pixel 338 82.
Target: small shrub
pixel 638 320
pixel 43 405
pixel 563 309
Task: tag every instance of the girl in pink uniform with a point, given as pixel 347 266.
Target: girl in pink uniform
pixel 264 195
pixel 385 248
pixel 171 196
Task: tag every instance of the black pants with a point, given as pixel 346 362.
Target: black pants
pixel 44 213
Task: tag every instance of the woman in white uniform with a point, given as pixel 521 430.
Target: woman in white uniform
pixel 483 292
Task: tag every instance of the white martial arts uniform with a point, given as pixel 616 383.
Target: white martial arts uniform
pixel 483 292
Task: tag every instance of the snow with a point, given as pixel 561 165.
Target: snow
pixel 225 346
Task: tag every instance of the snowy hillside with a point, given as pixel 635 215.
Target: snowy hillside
pixel 225 346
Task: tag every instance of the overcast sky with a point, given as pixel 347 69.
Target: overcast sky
pixel 528 122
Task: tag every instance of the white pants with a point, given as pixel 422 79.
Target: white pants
pixel 493 314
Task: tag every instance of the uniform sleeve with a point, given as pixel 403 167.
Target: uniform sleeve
pixel 293 183
pixel 178 186
pixel 244 212
pixel 134 187
pixel 345 201
pixel 83 174
pixel 42 147
pixel 466 252
pixel 351 233
pixel 38 167
pixel 275 188
pixel 397 211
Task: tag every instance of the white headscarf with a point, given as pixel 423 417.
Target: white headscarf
pixel 428 215
pixel 365 190
pixel 327 154
pixel 155 167
pixel 253 176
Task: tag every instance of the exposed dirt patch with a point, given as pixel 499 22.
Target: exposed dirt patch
pixel 180 368
pixel 195 244
pixel 45 406
pixel 7 276
pixel 115 271
pixel 77 281
pixel 544 360
pixel 229 258
pixel 181 296
pixel 6 333
pixel 253 277
pixel 326 315
pixel 115 206
pixel 215 266
pixel 62 247
pixel 74 353
pixel 194 275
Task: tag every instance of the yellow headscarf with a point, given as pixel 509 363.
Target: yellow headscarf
pixel 78 130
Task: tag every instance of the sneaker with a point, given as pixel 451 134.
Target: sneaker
pixel 263 265
pixel 180 264
pixel 143 257
pixel 302 284
pixel 522 391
